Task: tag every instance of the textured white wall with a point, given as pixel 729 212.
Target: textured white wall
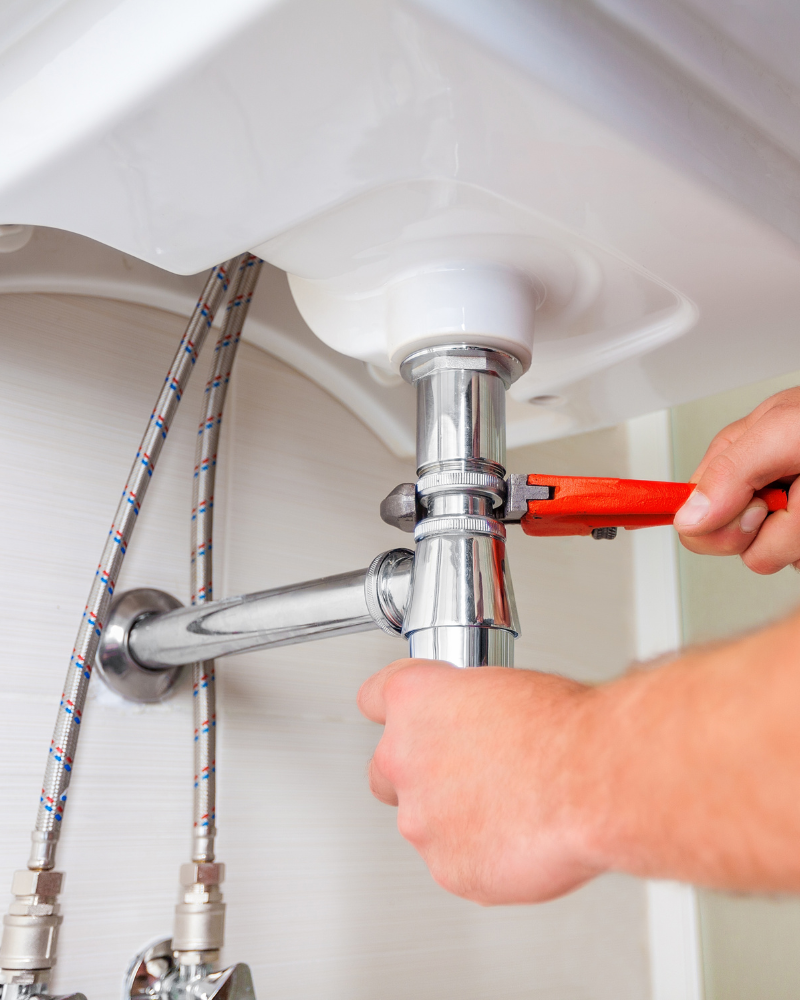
pixel 325 899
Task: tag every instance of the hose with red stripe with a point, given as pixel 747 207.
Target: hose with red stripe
pixel 61 758
pixel 205 716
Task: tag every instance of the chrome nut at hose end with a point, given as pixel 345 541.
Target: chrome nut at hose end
pixel 202 873
pixel 200 914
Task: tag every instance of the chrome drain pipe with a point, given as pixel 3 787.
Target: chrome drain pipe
pixel 462 606
pixel 142 642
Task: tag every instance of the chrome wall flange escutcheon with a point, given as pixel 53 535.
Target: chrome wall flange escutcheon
pixel 116 664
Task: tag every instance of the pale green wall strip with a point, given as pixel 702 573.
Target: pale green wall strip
pixel 751 945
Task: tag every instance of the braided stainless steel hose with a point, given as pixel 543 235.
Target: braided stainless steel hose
pixel 205 719
pixel 61 758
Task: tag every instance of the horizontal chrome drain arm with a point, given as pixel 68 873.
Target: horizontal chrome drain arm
pixel 148 638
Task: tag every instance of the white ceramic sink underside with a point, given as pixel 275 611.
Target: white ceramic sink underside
pixel 635 161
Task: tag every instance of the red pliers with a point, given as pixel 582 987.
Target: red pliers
pixel 577 505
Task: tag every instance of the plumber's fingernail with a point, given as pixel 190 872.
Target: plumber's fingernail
pixel 693 511
pixel 752 519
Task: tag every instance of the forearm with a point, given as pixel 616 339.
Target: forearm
pixel 692 770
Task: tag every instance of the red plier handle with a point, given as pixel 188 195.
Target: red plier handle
pixel 577 505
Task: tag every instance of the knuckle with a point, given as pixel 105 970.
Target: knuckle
pixel 723 469
pixel 380 788
pixel 396 686
pixel 383 760
pixel 391 761
pixel 787 403
pixel 784 418
pixel 362 699
pixel 404 685
pixel 412 827
pixel 372 774
pixel 726 437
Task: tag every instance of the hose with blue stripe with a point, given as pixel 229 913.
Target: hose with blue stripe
pixel 201 580
pixel 61 758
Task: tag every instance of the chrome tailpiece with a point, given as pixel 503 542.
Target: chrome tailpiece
pixel 462 603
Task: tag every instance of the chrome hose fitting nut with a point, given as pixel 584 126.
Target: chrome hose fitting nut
pixel 30 928
pixel 202 873
pixel 200 914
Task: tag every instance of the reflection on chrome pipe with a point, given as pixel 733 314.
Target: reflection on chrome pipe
pixel 336 605
pixel 462 606
pixel 471 646
pixel 473 566
pixel 461 409
pixel 463 609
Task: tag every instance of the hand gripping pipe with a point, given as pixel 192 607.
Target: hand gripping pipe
pixel 26 945
pixel 462 604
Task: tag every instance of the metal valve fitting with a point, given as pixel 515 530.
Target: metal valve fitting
pixel 30 933
pixel 30 928
pixel 200 914
pixel 183 968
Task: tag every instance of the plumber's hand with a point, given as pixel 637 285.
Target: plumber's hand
pixel 721 517
pixel 480 764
